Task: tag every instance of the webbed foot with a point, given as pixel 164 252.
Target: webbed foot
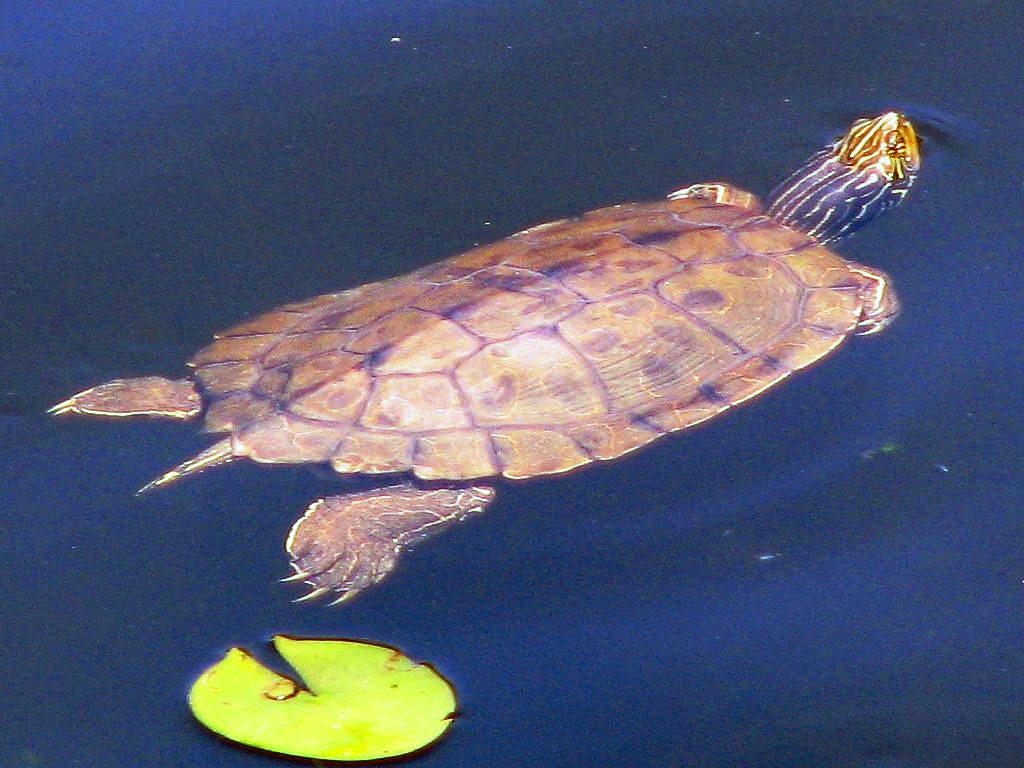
pixel 345 543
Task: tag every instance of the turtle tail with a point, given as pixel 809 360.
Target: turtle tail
pixel 217 454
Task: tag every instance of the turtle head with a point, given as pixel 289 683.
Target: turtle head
pixel 851 181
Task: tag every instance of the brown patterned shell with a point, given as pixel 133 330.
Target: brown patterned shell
pixel 579 340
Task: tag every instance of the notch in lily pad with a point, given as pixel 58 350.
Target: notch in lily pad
pixel 357 701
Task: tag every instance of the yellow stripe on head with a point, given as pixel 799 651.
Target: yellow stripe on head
pixel 887 141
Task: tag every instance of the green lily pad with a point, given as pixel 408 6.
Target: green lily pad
pixel 360 701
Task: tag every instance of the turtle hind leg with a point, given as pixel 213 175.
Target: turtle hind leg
pixel 343 544
pixel 146 396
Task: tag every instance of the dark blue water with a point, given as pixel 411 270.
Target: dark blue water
pixel 754 593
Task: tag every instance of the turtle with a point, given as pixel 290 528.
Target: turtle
pixel 571 342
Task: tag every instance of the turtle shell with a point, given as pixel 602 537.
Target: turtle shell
pixel 574 341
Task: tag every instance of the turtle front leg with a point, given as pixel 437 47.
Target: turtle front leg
pixel 720 193
pixel 346 543
pixel 146 396
pixel 879 302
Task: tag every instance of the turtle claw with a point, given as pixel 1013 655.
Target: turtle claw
pixel 65 406
pixel 297 576
pixel 312 595
pixel 341 599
